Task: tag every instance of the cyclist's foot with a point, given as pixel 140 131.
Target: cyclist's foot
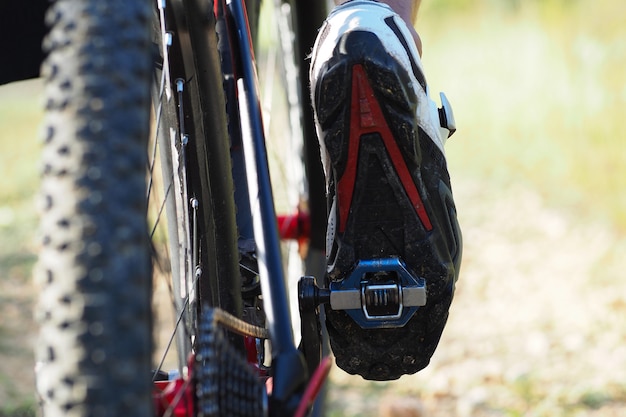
pixel 389 193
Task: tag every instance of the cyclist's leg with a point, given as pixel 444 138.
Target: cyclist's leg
pixel 388 189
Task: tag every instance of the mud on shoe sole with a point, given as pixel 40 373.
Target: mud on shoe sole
pixel 392 198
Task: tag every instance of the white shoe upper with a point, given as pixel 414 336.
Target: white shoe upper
pixel 367 15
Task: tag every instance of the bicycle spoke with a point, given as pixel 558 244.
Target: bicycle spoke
pixel 162 206
pixel 178 321
pixel 157 124
pixel 168 211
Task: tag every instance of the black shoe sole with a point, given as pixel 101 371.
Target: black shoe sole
pixel 393 199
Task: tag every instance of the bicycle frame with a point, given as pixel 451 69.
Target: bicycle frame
pixel 289 368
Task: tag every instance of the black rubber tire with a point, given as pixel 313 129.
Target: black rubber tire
pixel 209 167
pixel 206 163
pixel 95 345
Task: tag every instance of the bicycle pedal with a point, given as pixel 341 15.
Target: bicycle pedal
pixel 379 293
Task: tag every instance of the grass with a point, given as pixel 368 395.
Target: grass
pixel 19 155
pixel 20 114
pixel 24 410
pixel 539 91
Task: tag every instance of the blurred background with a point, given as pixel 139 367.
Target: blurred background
pixel 538 326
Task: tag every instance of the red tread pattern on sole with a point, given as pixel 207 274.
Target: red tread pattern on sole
pixel 366 117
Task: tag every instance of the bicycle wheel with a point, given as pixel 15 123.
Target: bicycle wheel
pixel 194 124
pixel 95 347
pixel 191 60
pixel 94 307
pixel 193 63
pixel 192 142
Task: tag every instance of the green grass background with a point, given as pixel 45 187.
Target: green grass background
pixel 20 115
pixel 539 93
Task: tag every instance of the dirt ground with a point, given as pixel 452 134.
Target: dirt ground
pixel 537 328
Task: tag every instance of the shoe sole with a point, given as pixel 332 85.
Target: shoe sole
pixel 383 203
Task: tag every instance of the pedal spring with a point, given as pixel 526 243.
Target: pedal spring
pixel 381 297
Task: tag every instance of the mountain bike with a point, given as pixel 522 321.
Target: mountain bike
pixel 155 169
